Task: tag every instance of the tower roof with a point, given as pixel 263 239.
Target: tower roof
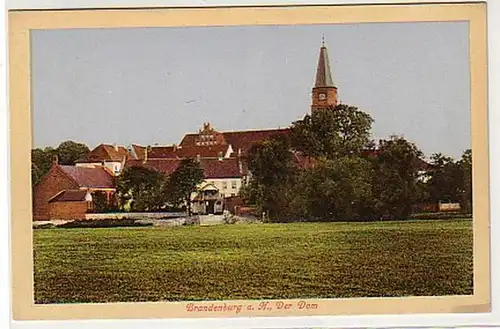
pixel 323 73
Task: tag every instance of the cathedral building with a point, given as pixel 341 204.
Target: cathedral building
pixel 222 155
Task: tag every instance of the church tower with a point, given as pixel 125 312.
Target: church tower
pixel 324 92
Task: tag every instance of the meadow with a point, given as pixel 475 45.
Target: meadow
pixel 253 261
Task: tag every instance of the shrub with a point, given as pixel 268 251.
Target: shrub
pixel 96 223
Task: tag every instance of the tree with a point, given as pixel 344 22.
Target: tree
pixel 41 161
pixel 100 201
pixel 69 152
pixel 444 182
pixel 337 189
pixel 184 181
pixel 465 181
pixel 332 132
pixel 143 187
pixel 270 163
pixel 395 180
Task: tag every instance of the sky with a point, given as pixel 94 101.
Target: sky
pixel 153 85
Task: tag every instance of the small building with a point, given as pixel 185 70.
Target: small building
pixel 70 204
pixel 66 190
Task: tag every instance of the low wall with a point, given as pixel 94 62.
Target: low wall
pixel 136 215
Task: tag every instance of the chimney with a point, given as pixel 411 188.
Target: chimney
pixel 116 147
pixel 174 146
pixel 145 155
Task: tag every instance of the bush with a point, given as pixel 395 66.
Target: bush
pixel 97 223
pixel 43 226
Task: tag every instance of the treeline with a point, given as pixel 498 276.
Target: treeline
pixel 353 178
pixel 67 153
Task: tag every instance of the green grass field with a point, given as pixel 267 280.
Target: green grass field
pixel 254 261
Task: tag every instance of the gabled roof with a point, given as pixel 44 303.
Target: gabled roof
pixel 323 73
pixel 105 152
pixel 69 196
pixel 96 177
pixel 243 140
pixel 138 151
pixel 166 166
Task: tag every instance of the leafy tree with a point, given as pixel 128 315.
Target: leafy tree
pixel 335 131
pixel 100 201
pixel 184 181
pixel 270 163
pixel 142 186
pixel 337 189
pixel 444 182
pixel 41 161
pixel 465 187
pixel 69 152
pixel 395 180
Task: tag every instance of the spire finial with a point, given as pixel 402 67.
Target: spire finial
pixel 322 40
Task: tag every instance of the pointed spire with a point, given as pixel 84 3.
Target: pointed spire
pixel 323 73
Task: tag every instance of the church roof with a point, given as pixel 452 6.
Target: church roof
pixel 323 72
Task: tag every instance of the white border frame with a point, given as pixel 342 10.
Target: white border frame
pixel 441 320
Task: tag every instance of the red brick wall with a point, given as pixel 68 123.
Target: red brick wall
pixel 68 210
pixel 331 97
pixel 52 183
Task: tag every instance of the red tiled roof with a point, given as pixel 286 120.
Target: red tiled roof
pixel 212 168
pixel 239 139
pixel 69 196
pixel 105 152
pixel 96 177
pixel 227 168
pixel 166 166
pixel 245 139
pixel 139 151
pixel 190 151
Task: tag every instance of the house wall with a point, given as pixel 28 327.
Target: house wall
pixel 52 183
pixel 225 185
pixel 68 210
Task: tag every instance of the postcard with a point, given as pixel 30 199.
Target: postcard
pixel 249 161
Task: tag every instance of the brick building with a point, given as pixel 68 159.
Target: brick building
pixel 65 192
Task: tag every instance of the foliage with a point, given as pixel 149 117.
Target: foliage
pixel 69 152
pixel 395 179
pixel 254 261
pixel 272 176
pixel 333 132
pixel 336 189
pixel 100 200
pixel 142 187
pixel 444 179
pixel 41 161
pixel 97 223
pixel 465 187
pixel 184 181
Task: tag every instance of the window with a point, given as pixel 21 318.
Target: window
pixel 224 185
pixel 234 184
